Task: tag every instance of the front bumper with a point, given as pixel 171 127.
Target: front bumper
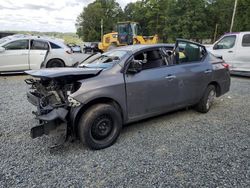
pixel 51 120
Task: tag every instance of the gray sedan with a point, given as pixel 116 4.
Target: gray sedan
pixel 93 101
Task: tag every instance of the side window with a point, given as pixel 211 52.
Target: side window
pixel 39 45
pixel 17 45
pixel 54 46
pixel 151 59
pixel 246 40
pixel 226 42
pixel 189 52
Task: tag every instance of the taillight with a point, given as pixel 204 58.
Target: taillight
pixel 68 51
pixel 225 65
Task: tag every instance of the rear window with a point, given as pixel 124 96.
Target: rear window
pixel 54 46
pixel 246 40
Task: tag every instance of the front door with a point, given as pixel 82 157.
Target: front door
pixel 15 57
pixel 152 90
pixel 226 47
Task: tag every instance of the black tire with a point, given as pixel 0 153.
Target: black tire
pixel 207 100
pixel 55 63
pixel 100 126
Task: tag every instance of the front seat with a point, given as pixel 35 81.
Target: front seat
pixel 153 60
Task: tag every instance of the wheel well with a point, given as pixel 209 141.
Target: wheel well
pixel 217 88
pixel 102 100
pixel 55 59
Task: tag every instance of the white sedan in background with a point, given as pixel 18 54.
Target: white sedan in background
pixel 20 52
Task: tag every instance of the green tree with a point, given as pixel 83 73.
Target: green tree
pixel 242 18
pixel 190 19
pixel 88 23
pixel 219 12
pixel 187 19
pixel 151 14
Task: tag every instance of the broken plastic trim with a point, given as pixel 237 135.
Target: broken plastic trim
pixel 49 122
pixel 57 113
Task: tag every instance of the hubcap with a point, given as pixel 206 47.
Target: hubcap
pixel 210 99
pixel 102 127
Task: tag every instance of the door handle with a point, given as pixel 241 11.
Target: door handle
pixel 170 77
pixel 24 53
pixel 208 71
pixel 230 51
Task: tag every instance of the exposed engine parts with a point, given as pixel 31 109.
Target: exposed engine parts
pixel 53 93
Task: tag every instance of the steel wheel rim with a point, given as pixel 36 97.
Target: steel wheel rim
pixel 102 127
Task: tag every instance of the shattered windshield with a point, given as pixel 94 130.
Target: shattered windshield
pixel 104 60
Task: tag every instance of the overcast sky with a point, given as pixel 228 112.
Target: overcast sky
pixel 43 15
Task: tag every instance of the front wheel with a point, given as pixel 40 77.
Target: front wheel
pixel 207 100
pixel 100 126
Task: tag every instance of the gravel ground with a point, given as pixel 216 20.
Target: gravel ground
pixel 180 149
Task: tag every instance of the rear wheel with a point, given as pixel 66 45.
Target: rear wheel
pixel 55 63
pixel 207 100
pixel 100 126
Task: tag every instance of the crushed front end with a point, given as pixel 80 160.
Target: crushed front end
pixel 50 91
pixel 51 97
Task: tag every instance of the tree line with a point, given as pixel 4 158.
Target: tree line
pixel 170 19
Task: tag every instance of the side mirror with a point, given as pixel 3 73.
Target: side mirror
pixel 135 66
pixel 2 49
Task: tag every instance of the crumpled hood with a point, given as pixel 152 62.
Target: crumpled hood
pixel 64 72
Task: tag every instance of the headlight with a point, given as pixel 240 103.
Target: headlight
pixel 73 102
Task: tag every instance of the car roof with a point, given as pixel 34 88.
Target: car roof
pixel 20 36
pixel 138 47
pixel 237 33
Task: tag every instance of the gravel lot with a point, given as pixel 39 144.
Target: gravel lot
pixel 180 149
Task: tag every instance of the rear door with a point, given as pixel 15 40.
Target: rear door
pixel 193 72
pixel 16 56
pixel 38 51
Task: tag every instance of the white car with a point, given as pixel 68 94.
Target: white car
pixel 21 52
pixel 235 50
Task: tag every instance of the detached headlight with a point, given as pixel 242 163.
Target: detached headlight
pixel 73 102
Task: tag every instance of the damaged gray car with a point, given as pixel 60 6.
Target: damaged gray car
pixel 93 101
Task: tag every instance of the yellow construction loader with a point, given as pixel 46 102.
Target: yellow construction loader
pixel 127 34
